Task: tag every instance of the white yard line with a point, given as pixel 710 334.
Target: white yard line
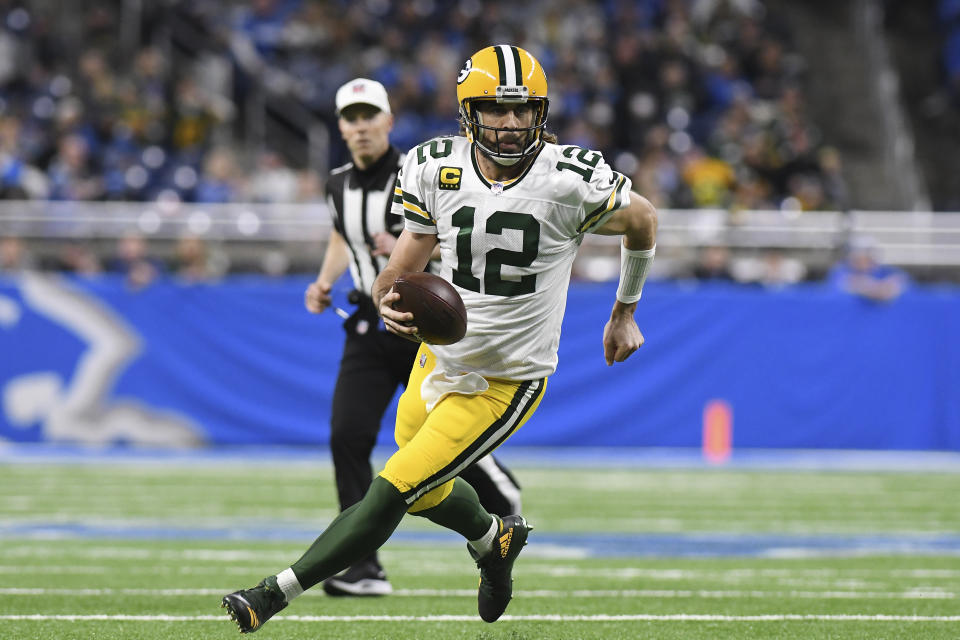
pixel 912 594
pixel 225 563
pixel 680 617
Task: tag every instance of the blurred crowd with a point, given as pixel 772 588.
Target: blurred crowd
pixel 949 18
pixel 700 101
pixel 132 256
pixel 193 260
pixel 83 122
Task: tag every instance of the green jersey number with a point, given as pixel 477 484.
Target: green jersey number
pixel 493 281
pixel 440 148
pixel 586 161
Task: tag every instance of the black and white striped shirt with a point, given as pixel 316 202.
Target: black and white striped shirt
pixel 360 202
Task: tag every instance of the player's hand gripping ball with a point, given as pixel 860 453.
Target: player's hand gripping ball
pixel 438 311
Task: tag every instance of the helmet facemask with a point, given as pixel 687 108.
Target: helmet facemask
pixel 530 136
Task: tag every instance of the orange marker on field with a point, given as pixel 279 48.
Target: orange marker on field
pixel 717 432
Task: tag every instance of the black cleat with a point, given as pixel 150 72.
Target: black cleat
pixel 496 583
pixel 365 579
pixel 250 608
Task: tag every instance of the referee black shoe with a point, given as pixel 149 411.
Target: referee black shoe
pixel 496 582
pixel 364 579
pixel 250 608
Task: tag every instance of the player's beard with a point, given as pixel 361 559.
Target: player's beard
pixel 522 144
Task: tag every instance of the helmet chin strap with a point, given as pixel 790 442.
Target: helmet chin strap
pixel 503 162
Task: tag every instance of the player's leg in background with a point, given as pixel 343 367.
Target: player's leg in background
pixel 497 488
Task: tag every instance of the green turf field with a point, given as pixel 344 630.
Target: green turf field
pixel 144 550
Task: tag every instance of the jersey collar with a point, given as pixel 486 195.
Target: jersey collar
pixel 506 185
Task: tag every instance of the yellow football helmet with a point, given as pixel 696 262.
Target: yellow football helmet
pixel 507 75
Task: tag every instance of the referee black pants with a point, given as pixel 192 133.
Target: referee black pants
pixel 373 366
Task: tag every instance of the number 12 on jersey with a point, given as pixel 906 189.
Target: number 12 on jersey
pixel 493 281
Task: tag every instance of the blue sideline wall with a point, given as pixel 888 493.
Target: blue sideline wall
pixel 241 362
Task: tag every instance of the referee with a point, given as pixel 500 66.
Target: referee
pixel 374 362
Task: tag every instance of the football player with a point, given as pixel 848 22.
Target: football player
pixel 508 207
pixel 375 362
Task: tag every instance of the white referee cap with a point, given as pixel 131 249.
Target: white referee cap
pixel 362 91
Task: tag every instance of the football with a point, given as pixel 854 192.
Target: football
pixel 437 308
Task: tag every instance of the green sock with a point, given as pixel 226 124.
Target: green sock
pixel 460 511
pixel 354 534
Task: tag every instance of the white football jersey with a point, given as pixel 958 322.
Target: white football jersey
pixel 507 247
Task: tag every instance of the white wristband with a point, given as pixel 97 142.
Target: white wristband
pixel 634 266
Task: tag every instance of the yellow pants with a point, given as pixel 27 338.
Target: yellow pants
pixel 461 429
